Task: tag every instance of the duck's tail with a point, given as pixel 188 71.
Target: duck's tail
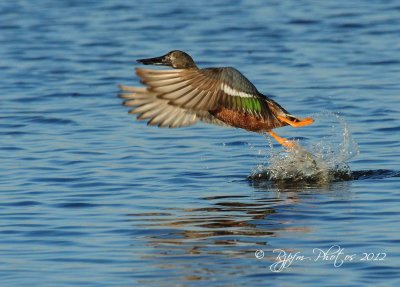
pixel 286 118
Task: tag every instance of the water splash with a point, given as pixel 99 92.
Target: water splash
pixel 321 162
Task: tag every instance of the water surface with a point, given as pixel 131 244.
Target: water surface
pixel 91 197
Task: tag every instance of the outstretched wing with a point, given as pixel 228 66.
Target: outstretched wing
pixel 156 110
pixel 206 90
pixel 159 112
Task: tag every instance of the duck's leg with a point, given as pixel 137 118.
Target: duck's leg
pixel 285 142
pixel 297 124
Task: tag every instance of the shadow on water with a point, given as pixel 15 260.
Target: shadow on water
pixel 226 229
pixel 198 241
pixel 220 222
pixel 191 243
pixel 266 181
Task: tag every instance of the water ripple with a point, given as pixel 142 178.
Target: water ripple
pixel 96 198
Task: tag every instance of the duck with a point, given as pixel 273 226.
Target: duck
pixel 186 94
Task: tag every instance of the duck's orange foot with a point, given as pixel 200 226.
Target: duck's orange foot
pixel 285 142
pixel 297 124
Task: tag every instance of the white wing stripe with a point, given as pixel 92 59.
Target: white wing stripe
pixel 232 92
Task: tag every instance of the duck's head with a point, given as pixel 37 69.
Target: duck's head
pixel 175 59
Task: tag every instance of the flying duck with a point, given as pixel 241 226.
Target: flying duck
pixel 183 95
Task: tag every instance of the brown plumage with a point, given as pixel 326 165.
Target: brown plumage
pixel 187 94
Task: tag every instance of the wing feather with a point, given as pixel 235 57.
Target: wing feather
pixel 156 111
pixel 206 89
pixel 181 97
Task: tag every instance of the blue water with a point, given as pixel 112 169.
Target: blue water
pixel 91 197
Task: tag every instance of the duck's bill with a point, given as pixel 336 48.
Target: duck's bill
pixel 153 61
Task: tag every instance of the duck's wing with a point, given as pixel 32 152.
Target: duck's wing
pixel 206 90
pixel 159 112
pixel 156 111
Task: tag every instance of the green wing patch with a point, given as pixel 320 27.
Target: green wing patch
pixel 250 104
